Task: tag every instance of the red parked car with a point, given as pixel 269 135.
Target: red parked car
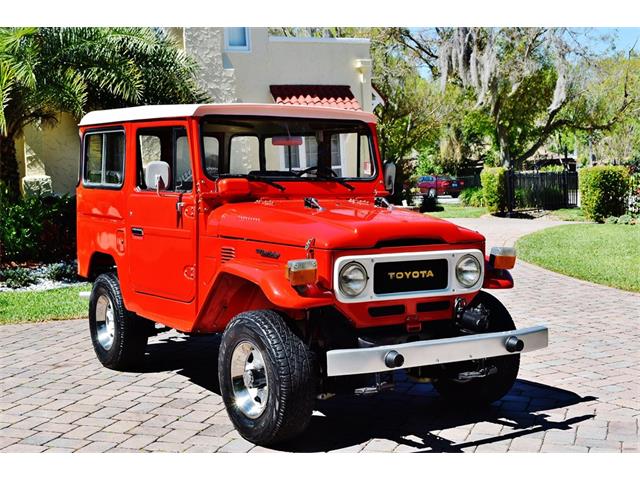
pixel 443 185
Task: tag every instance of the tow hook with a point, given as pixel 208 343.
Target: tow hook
pixel 393 359
pixel 513 344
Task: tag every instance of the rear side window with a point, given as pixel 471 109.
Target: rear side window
pixel 104 159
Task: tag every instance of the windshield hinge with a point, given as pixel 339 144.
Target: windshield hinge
pixel 382 203
pixel 311 202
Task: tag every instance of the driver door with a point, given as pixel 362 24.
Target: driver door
pixel 161 226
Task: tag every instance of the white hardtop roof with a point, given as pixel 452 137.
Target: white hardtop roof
pixel 157 112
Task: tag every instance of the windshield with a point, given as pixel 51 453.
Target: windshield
pixel 287 148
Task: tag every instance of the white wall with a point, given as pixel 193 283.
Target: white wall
pixel 284 60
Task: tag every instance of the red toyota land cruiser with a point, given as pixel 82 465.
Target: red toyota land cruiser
pixel 269 224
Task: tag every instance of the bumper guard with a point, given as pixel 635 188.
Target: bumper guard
pixel 434 352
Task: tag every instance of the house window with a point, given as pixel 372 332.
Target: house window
pixel 104 159
pixel 237 38
pixel 244 154
pixel 311 151
pixel 292 158
pixel 336 155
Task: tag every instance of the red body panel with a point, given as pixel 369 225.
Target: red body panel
pixel 227 252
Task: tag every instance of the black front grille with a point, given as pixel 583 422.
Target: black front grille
pixel 386 310
pixel 410 276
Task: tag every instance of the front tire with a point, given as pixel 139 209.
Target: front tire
pixel 482 391
pixel 119 337
pixel 266 377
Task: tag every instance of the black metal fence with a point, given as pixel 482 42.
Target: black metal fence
pixel 541 190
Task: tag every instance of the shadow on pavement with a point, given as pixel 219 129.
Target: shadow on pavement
pixel 411 415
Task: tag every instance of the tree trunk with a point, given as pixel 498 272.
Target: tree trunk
pixel 9 174
pixel 505 154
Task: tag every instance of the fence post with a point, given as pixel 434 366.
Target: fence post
pixel 510 191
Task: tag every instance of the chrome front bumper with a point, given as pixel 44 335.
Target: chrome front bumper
pixel 434 352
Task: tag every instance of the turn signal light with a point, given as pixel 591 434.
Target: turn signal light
pixel 302 272
pixel 503 258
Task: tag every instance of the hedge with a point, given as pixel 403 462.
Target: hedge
pixel 604 191
pixel 37 229
pixel 493 188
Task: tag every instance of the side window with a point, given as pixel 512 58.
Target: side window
pixel 366 164
pixel 104 159
pixel 244 154
pixel 169 145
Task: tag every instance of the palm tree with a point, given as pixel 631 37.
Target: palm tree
pixel 45 71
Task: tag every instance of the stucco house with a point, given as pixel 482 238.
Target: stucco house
pixel 237 64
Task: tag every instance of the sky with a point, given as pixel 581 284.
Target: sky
pixel 625 37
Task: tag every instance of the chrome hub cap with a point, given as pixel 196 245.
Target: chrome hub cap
pixel 105 322
pixel 249 379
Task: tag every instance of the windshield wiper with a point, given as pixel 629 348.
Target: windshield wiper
pixel 338 180
pixel 268 181
pixel 332 175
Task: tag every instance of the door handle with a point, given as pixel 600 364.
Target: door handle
pixel 137 231
pixel 179 208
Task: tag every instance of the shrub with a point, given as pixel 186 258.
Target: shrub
pixel 19 277
pixel 525 198
pixel 625 219
pixel 612 219
pixel 63 271
pixel 472 197
pixel 604 191
pixel 493 187
pixel 37 229
pixel 429 204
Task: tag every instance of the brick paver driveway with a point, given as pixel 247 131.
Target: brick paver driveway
pixel 579 395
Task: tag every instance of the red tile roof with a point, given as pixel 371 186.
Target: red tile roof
pixel 337 96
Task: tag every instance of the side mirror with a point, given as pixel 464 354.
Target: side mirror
pixel 389 176
pixel 156 175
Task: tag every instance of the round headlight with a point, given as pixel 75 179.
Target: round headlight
pixel 352 279
pixel 468 271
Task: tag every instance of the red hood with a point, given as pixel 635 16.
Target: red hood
pixel 340 224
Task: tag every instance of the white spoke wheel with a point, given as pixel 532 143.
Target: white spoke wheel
pixel 249 379
pixel 267 378
pixel 119 337
pixel 105 322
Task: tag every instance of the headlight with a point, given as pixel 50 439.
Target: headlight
pixel 468 271
pixel 353 279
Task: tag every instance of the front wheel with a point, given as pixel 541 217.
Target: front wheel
pixel 501 372
pixel 266 377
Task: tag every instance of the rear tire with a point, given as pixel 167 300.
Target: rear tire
pixel 119 336
pixel 267 378
pixel 482 391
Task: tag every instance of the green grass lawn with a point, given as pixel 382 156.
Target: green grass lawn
pixel 57 304
pixel 605 254
pixel 568 215
pixel 458 211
